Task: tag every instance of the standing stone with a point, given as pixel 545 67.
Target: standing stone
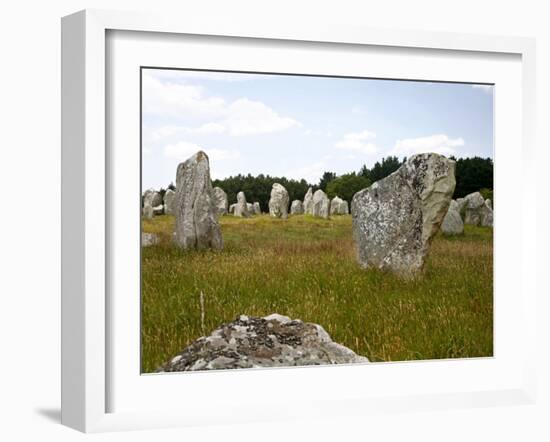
pixel 395 219
pixel 308 202
pixel 452 223
pixel 477 213
pixel 158 210
pixel 232 208
pixel 196 220
pixel 278 202
pixel 250 208
pixel 257 208
pixel 152 198
pixel 147 212
pixel 296 208
pixel 169 202
pixel 220 200
pixel 487 214
pixel 241 208
pixel 489 203
pixel 335 205
pixel 321 204
pixel 344 208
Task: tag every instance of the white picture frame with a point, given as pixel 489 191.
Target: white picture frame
pixel 85 213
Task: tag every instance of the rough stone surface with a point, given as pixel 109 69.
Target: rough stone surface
pixel 152 198
pixel 241 208
pixel 344 208
pixel 252 342
pixel 296 208
pixel 149 239
pixel 489 203
pixel 335 205
pixel 278 202
pixel 220 200
pixel 308 202
pixel 196 219
pixel 147 212
pixel 169 198
pixel 321 204
pixel 395 219
pixel 452 223
pixel 476 211
pixel 257 208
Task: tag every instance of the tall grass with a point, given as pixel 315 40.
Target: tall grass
pixel 305 268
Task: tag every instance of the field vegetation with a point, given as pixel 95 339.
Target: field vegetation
pixel 305 268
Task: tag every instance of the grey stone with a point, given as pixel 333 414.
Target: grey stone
pixel 257 208
pixel 241 208
pixel 196 219
pixel 308 202
pixel 335 205
pixel 149 239
pixel 158 210
pixel 452 223
pixel 296 208
pixel 169 197
pixel 489 203
pixel 152 198
pixel 254 342
pixel 321 204
pixel 147 212
pixel 232 208
pixel 220 200
pixel 395 219
pixel 477 212
pixel 344 208
pixel 278 201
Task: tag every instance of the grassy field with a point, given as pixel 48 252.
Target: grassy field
pixel 305 268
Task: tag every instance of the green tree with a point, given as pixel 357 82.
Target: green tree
pixel 325 179
pixel 473 174
pixel 347 185
pixel 381 169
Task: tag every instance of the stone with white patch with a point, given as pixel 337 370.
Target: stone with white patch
pixel 278 201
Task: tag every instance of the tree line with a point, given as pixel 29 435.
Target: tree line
pixel 472 175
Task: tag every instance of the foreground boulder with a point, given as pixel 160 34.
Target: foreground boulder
pixel 241 208
pixel 169 197
pixel 476 211
pixel 308 202
pixel 452 223
pixel 220 200
pixel 272 341
pixel 196 218
pixel 321 204
pixel 395 219
pixel 296 208
pixel 278 202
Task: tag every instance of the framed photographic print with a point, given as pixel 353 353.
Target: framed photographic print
pixel 256 214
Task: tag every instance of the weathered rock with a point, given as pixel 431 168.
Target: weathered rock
pixel 232 208
pixel 169 197
pixel 395 219
pixel 308 202
pixel 241 208
pixel 250 208
pixel 321 204
pixel 278 202
pixel 252 342
pixel 196 219
pixel 477 212
pixel 147 212
pixel 296 208
pixel 158 210
pixel 489 203
pixel 452 223
pixel 344 208
pixel 257 208
pixel 152 198
pixel 220 200
pixel 335 205
pixel 149 239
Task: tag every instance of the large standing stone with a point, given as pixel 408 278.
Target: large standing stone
pixel 452 223
pixel 278 202
pixel 296 208
pixel 196 220
pixel 169 197
pixel 220 200
pixel 152 198
pixel 241 208
pixel 335 204
pixel 477 211
pixel 257 208
pixel 395 219
pixel 253 342
pixel 321 204
pixel 308 202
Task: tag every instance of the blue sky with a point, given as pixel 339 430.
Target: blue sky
pixel 301 126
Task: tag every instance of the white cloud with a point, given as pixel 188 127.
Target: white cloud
pixel 239 117
pixel 439 143
pixel 311 173
pixel 358 142
pixel 484 87
pixel 183 150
